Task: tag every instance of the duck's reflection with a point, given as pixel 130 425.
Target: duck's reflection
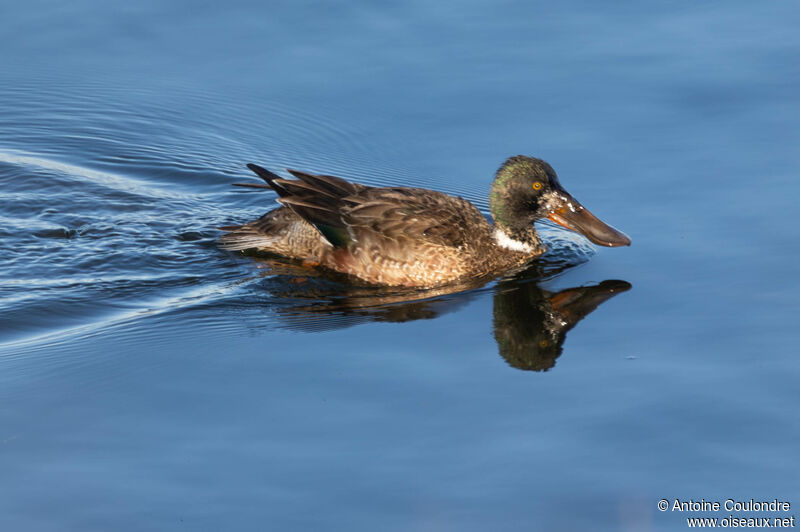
pixel 530 322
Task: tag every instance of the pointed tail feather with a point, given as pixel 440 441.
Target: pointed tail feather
pixel 242 240
pixel 269 177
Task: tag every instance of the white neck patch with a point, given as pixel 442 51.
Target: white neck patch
pixel 505 241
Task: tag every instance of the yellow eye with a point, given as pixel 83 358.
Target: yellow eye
pixel 537 185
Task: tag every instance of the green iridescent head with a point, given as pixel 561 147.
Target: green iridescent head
pixel 526 189
pixel 518 190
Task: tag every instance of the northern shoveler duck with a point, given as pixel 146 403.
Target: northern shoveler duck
pixel 402 236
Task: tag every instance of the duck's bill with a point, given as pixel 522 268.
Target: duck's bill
pixel 575 217
pixel 574 304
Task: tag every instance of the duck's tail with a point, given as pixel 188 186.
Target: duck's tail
pixel 268 233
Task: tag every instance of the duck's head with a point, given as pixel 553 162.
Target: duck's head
pixel 526 189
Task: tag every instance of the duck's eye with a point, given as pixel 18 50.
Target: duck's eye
pixel 537 185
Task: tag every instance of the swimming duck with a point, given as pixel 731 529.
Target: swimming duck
pixel 400 236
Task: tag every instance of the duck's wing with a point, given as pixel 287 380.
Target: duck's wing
pixel 325 184
pixel 348 213
pixel 412 215
pixel 316 199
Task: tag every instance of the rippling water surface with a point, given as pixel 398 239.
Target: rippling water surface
pixel 150 380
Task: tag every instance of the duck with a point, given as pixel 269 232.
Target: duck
pixel 414 237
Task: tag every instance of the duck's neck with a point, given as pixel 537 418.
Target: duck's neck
pixel 520 239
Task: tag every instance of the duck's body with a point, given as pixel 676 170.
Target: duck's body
pixel 396 235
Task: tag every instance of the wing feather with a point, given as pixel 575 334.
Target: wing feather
pixel 345 213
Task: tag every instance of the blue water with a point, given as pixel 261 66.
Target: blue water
pixel 151 381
